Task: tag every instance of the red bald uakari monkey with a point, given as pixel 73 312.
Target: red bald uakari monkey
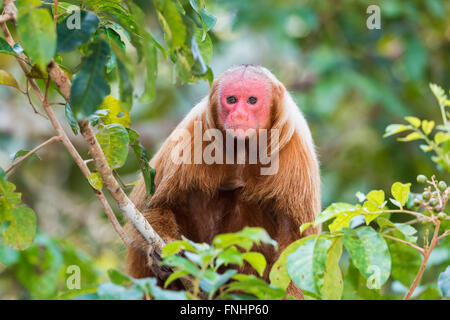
pixel 207 185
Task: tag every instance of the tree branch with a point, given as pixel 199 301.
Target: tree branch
pixel 125 204
pixel 426 255
pixel 116 191
pixel 9 7
pixel 29 154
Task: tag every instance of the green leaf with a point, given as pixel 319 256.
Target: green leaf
pixel 172 23
pixel 427 126
pixel 89 87
pixel 118 277
pixel 230 255
pixel 407 231
pixel 37 31
pixel 125 86
pixel 259 288
pixel 279 275
pixel 400 192
pixel 256 260
pixel 343 220
pixel 332 211
pixel 182 264
pixel 394 129
pixel 410 137
pixel 71 119
pixel 208 21
pixel 22 228
pixel 376 197
pixel 244 238
pixel 149 52
pixel 414 121
pixel 114 140
pixel 140 152
pixel 212 281
pixel 116 114
pixel 21 220
pixel 6 48
pixel 309 264
pixel 22 153
pixel 95 180
pixel 305 226
pixel 369 253
pixel 8 79
pixel 70 39
pixel 438 92
pixel 175 247
pixel 333 284
pixel 441 137
pixel 175 276
pixel 150 285
pixel 406 262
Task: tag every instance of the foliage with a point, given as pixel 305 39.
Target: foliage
pixel 17 222
pixel 201 263
pixel 313 262
pixel 349 81
pixel 422 130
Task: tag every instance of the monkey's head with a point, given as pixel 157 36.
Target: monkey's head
pixel 244 99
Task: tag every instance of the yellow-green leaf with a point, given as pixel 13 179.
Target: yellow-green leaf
pixel 116 114
pixel 400 192
pixel 427 126
pixel 395 128
pixel 114 140
pixel 305 226
pixel 8 79
pixel 414 121
pixel 376 196
pixel 96 181
pixel 256 260
pixel 412 136
pixel 441 137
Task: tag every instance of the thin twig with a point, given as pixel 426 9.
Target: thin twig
pixel 422 251
pixel 446 233
pixel 426 255
pixel 29 154
pixel 27 93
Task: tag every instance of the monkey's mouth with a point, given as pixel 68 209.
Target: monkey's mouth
pixel 241 131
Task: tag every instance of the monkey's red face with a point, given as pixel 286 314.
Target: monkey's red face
pixel 245 101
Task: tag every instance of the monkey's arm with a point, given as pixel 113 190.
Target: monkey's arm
pixel 140 255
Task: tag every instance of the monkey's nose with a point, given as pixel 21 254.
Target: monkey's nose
pixel 239 116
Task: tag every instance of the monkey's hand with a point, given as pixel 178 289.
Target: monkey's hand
pixel 160 270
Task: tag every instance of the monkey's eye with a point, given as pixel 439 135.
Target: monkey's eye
pixel 252 100
pixel 231 99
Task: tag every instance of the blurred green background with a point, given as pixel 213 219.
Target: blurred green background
pixel 350 82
